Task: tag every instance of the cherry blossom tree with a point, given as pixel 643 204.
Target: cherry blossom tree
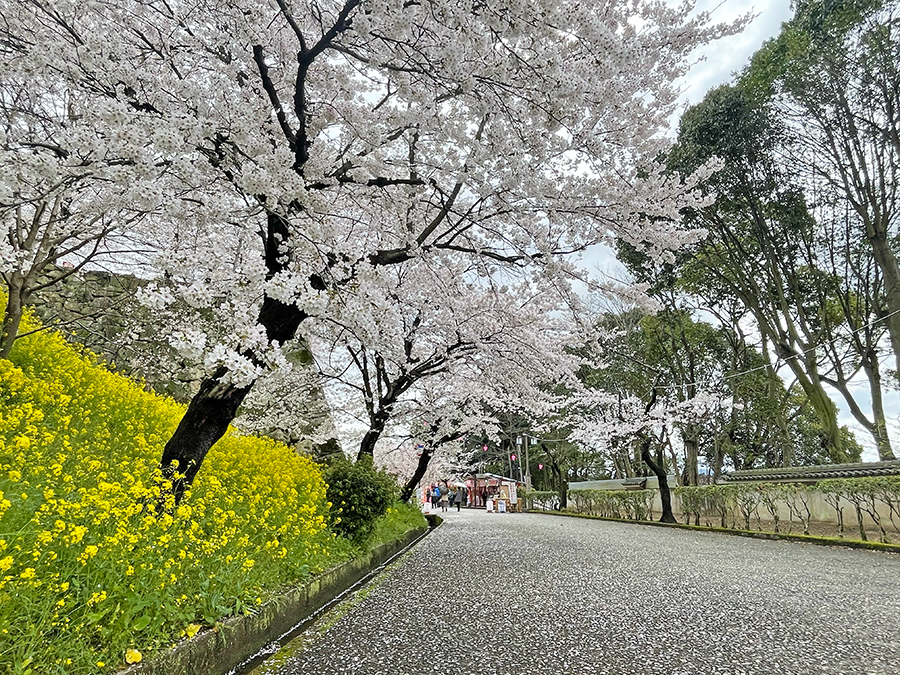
pixel 350 135
pixel 69 196
pixel 439 322
pixel 606 418
pixel 429 439
pixel 439 430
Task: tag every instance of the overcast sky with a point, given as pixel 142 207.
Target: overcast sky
pixel 730 55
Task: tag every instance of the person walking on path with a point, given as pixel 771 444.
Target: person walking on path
pixel 445 501
pixel 458 498
pixel 435 496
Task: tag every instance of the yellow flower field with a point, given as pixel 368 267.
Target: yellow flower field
pixel 92 572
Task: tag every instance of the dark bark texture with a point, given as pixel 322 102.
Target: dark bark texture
pixel 205 422
pixel 421 468
pixel 216 404
pixel 367 445
pixel 12 317
pixel 660 473
pixel 425 458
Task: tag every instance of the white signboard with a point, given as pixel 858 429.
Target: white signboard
pixel 513 498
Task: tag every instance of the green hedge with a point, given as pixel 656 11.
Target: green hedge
pixel 541 500
pixel 359 496
pixel 746 506
pixel 623 504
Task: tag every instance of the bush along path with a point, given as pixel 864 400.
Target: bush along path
pixel 863 508
pixel 98 568
pixel 859 505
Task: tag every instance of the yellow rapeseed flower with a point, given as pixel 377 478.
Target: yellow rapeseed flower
pixel 89 552
pixel 256 502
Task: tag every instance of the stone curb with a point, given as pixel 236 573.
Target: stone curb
pixel 781 536
pixel 218 651
pixel 433 519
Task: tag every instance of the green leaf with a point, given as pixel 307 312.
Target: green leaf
pixel 96 616
pixel 142 623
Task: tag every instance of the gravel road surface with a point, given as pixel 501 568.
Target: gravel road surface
pixel 529 594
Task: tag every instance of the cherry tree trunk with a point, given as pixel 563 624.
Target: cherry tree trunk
pixel 421 468
pixel 11 320
pixel 216 404
pixel 207 418
pixel 562 486
pixel 367 445
pixel 660 473
pixel 16 299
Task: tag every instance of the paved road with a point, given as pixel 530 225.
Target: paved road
pixel 513 594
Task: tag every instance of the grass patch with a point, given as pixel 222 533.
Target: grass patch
pixel 399 519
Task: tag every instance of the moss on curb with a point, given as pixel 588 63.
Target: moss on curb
pixel 783 536
pixel 322 624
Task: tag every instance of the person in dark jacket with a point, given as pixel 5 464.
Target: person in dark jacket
pixel 459 497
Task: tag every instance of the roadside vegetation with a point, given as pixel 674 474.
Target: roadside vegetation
pixel 862 508
pixel 97 564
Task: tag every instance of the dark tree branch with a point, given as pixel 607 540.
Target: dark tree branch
pixel 269 88
pixel 293 24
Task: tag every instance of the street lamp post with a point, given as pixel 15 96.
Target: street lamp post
pixel 527 463
pixel 524 442
pixel 519 452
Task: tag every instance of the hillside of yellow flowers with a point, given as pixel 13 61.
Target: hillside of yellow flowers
pixel 92 572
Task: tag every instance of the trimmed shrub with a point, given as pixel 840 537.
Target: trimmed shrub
pixel 738 505
pixel 359 495
pixel 622 504
pixel 542 500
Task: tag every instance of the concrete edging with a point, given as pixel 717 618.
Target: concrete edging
pixel 433 519
pixel 235 640
pixel 778 536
